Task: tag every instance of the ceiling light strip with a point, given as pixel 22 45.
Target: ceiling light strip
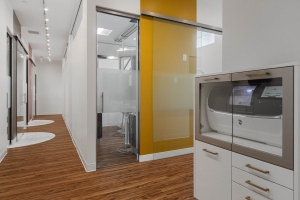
pixel 47 30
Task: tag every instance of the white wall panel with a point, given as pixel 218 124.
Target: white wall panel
pixel 260 33
pixel 6 22
pixel 210 12
pixel 49 88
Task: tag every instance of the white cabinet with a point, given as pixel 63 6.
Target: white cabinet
pixel 212 172
pixel 264 170
pixel 240 192
pixel 259 185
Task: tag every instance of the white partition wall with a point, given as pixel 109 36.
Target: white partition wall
pixel 260 33
pixel 81 63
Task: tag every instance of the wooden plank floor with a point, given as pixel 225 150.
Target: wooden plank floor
pixel 53 170
pixel 108 150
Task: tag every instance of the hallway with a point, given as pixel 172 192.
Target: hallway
pixel 53 170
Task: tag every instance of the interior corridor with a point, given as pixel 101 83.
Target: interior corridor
pixel 53 170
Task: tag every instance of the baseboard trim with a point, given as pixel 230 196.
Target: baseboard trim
pixel 166 154
pixel 88 167
pixel 145 158
pixel 2 155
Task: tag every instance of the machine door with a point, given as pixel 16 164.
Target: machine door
pixel 213 112
pixel 262 107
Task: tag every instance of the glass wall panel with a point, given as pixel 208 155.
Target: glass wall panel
pixel 117 90
pixel 174 67
pixel 257 114
pixel 21 90
pixel 209 52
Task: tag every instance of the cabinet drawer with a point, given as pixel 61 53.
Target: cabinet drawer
pixel 242 193
pixel 212 172
pixel 259 168
pixel 261 186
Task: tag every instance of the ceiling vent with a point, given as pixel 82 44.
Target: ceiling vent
pixel 34 32
pixel 123 36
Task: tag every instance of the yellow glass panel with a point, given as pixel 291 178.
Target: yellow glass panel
pixel 174 67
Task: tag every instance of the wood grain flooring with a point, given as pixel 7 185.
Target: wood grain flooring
pixel 53 170
pixel 108 151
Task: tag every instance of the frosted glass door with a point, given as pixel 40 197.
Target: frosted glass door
pixel 117 90
pixel 21 90
pixel 174 67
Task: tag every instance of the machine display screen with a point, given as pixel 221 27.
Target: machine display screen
pixel 272 91
pixel 242 95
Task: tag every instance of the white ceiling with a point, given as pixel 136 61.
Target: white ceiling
pixel 31 17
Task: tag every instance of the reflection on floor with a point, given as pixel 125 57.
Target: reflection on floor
pixel 32 138
pixel 35 123
pixel 108 152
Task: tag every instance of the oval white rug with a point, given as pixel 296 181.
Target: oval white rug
pixel 32 138
pixel 35 123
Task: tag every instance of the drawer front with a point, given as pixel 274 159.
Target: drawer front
pixel 264 170
pixel 214 78
pixel 242 193
pixel 212 172
pixel 264 187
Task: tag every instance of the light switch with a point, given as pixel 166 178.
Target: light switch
pixel 184 58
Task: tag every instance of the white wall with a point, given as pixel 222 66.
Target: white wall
pixel 6 22
pixel 260 33
pixel 80 78
pixel 49 87
pixel 210 12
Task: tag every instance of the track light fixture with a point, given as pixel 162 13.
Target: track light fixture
pixel 47 30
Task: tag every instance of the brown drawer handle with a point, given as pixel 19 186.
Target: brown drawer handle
pixel 261 188
pixel 259 74
pixel 256 169
pixel 248 198
pixel 211 79
pixel 210 152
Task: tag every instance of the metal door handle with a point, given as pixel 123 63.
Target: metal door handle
pixel 254 185
pixel 102 102
pixel 256 169
pixel 248 198
pixel 205 150
pixel 211 79
pixel 259 74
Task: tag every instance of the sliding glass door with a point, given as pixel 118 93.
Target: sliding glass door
pixel 8 93
pixel 117 90
pixel 21 90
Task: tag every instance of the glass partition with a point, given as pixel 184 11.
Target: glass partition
pixel 9 88
pixel 117 90
pixel 257 114
pixel 174 67
pixel 209 52
pixel 21 90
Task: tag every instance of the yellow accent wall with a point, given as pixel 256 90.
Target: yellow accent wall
pixel 183 9
pixel 146 62
pixel 176 8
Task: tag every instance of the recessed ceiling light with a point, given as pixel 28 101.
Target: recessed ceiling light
pixel 134 38
pixel 47 28
pixel 112 57
pixel 103 31
pixel 48 44
pixel 47 19
pixel 46 9
pixel 125 49
pixel 48 34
